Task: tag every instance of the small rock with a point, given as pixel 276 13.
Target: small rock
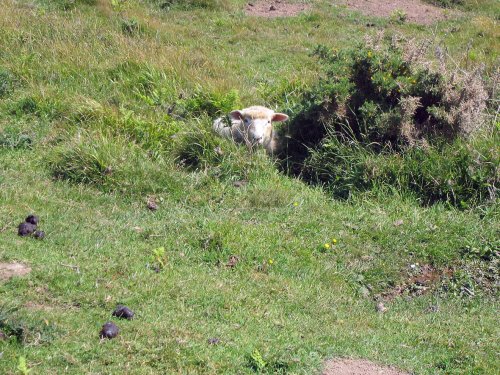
pixel 272 7
pixel 381 307
pixel 109 331
pixel 39 235
pixel 123 312
pixel 398 223
pixel 32 219
pixel 218 151
pixel 26 229
pixel 214 341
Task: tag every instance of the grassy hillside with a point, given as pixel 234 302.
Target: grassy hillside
pixel 106 105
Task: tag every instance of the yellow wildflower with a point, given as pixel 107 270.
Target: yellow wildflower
pixel 326 245
pixel 334 241
pixel 270 261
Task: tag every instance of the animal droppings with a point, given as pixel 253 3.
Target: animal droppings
pixel 152 205
pixel 39 235
pixel 109 331
pixel 32 219
pixel 26 229
pixel 214 341
pixel 123 312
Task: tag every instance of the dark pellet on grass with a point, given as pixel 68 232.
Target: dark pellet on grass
pixel 25 229
pixel 109 331
pixel 32 219
pixel 39 235
pixel 214 341
pixel 123 312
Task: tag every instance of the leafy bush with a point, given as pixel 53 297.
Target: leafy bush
pixel 112 163
pixel 383 95
pixel 382 114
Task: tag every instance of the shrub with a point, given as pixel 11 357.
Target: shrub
pixel 383 95
pixel 382 114
pixel 112 163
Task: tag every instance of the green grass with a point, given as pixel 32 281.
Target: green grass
pixel 97 117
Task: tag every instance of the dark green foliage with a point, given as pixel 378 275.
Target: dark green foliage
pixel 189 4
pixel 461 173
pixel 382 99
pixel 209 103
pixel 132 27
pixel 40 107
pixel 380 117
pixel 24 331
pixel 446 3
pixel 12 138
pixel 66 4
pixel 6 82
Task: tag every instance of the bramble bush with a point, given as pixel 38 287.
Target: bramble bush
pixel 384 114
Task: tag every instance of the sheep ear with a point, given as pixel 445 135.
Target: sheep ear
pixel 280 117
pixel 236 115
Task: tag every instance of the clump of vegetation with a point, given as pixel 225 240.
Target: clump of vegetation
pixel 13 138
pixel 112 163
pixel 383 114
pixel 190 4
pixel 201 149
pixel 446 3
pixel 132 27
pixel 209 103
pixel 6 82
pixel 66 4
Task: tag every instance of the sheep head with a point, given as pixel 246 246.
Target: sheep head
pixel 257 123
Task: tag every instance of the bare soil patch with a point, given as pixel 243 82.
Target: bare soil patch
pixel 421 280
pixel 9 270
pixel 274 8
pixel 416 11
pixel 345 366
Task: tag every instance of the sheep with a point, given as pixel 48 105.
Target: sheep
pixel 252 126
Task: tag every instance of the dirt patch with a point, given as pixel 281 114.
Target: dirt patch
pixel 274 8
pixel 414 11
pixel 421 279
pixel 344 366
pixel 9 270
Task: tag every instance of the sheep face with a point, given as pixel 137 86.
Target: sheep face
pixel 257 123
